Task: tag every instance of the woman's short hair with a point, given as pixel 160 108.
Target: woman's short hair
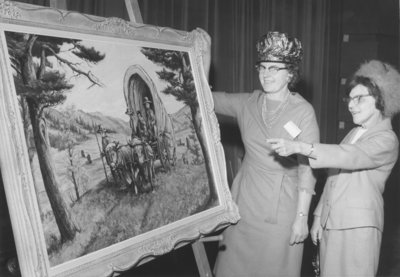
pixel 294 71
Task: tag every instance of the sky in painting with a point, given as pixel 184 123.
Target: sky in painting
pixel 109 99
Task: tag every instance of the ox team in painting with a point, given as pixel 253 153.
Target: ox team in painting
pixel 132 163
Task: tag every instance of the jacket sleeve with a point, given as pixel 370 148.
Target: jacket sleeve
pixel 229 104
pixel 377 150
pixel 310 133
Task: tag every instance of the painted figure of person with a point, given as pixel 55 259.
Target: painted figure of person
pixel 141 126
pixel 151 119
pixel 104 138
pixel 132 121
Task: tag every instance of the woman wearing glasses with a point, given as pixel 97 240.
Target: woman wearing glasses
pixel 273 193
pixel 348 220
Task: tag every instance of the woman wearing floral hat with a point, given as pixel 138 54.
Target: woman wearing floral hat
pixel 348 220
pixel 273 193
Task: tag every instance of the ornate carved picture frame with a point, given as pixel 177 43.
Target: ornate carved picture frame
pixel 110 150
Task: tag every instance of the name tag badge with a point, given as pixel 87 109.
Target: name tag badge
pixel 292 129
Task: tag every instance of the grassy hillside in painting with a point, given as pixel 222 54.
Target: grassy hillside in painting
pixel 106 213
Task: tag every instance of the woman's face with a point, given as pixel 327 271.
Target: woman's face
pixel 274 77
pixel 362 107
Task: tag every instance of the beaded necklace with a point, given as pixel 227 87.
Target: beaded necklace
pixel 270 117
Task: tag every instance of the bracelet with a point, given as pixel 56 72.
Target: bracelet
pixel 301 214
pixel 312 150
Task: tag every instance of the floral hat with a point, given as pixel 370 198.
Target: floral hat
pixel 279 47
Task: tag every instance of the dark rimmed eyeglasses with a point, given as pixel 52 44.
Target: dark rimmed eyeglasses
pixel 273 69
pixel 356 99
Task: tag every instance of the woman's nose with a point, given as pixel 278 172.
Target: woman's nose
pixel 350 107
pixel 350 104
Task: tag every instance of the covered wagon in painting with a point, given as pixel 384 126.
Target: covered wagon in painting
pixel 149 119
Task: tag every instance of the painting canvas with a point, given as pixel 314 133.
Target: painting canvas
pixel 111 153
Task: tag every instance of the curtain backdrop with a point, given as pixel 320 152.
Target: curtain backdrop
pixel 235 26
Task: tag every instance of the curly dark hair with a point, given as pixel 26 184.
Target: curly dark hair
pixel 373 90
pixel 294 70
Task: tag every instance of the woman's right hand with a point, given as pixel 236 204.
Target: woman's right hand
pixel 316 230
pixel 284 147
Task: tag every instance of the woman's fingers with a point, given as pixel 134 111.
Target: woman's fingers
pixel 275 143
pixel 278 148
pixel 316 235
pixel 294 239
pixel 314 239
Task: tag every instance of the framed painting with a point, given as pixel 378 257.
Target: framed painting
pixel 110 150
